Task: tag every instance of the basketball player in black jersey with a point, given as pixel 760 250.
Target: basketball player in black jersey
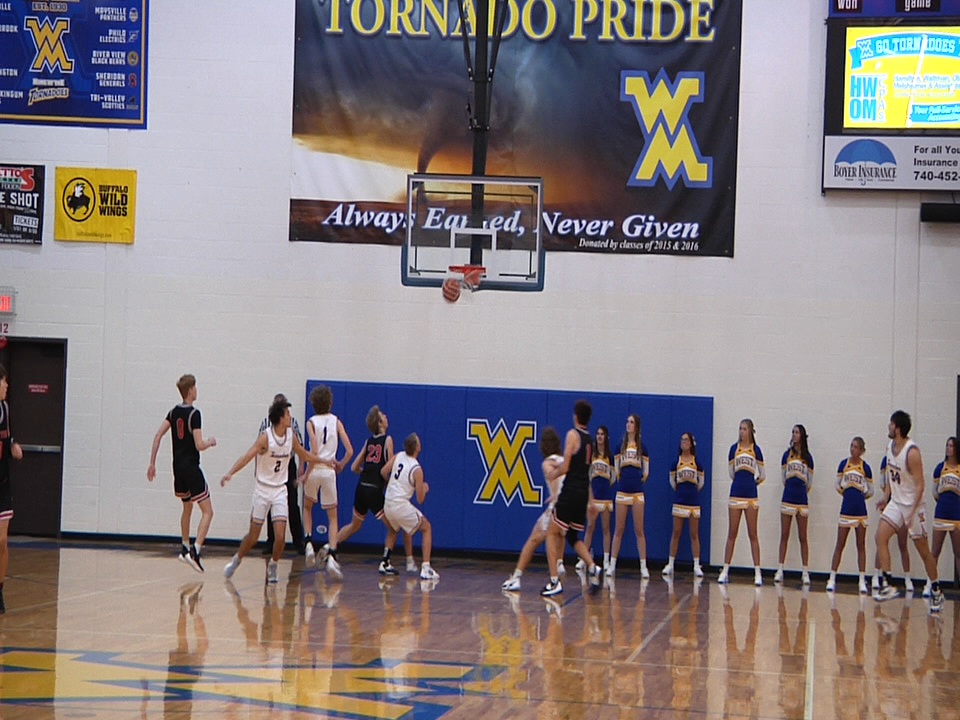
pixel 8 449
pixel 188 482
pixel 369 461
pixel 570 512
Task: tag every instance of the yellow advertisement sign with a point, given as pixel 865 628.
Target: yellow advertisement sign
pixel 95 205
pixel 899 77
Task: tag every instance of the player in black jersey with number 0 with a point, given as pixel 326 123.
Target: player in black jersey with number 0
pixel 188 482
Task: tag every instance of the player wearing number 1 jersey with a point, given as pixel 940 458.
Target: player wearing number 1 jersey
pixel 188 482
pixel 326 432
pixel 905 508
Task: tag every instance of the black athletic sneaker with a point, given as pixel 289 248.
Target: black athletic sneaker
pixel 194 559
pixel 184 555
pixel 387 568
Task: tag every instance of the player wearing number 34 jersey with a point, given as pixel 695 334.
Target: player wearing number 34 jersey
pixel 905 508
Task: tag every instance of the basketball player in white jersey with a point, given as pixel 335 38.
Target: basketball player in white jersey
pixel 326 432
pixel 404 476
pixel 904 507
pixel 272 449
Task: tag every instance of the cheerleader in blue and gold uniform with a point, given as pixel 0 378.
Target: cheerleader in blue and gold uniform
pixel 632 465
pixel 797 469
pixel 855 485
pixel 603 478
pixel 746 472
pixel 946 491
pixel 686 479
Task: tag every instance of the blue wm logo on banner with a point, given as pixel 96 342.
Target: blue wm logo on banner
pixel 670 150
pixel 48 38
pixel 506 467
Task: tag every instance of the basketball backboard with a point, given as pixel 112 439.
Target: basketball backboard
pixel 497 216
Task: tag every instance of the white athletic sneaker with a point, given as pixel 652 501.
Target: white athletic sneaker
pixel 412 565
pixel 581 565
pixel 231 567
pixel 875 583
pixel 697 571
pixel 724 577
pixel 561 570
pixel 552 588
pixel 936 601
pixel 778 576
pixel 908 584
pixel 644 573
pixel 667 570
pixel 863 586
pixel 512 583
pixel 595 579
pixel 805 578
pixel 926 589
pixel 271 572
pixel 428 573
pixel 757 578
pixel 886 593
pixel 310 557
pixel 333 567
pixel 831 585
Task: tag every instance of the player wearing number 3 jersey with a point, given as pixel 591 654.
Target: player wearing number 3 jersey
pixel 904 507
pixel 404 478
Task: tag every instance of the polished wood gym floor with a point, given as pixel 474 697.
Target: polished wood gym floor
pixel 109 630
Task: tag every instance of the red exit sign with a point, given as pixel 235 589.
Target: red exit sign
pixel 8 298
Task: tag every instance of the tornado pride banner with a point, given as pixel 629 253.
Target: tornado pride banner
pixel 628 111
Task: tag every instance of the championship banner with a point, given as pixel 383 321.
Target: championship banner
pixel 628 111
pixel 21 204
pixel 74 62
pixel 95 205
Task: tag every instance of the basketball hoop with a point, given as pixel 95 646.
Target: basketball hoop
pixel 468 275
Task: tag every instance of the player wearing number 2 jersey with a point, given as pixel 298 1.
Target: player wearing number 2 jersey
pixel 905 508
pixel 188 482
pixel 273 449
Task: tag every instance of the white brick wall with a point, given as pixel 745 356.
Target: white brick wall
pixel 835 311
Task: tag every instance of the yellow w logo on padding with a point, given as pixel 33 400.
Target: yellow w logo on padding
pixel 506 467
pixel 670 150
pixel 48 39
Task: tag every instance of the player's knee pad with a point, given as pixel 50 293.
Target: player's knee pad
pixel 572 537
